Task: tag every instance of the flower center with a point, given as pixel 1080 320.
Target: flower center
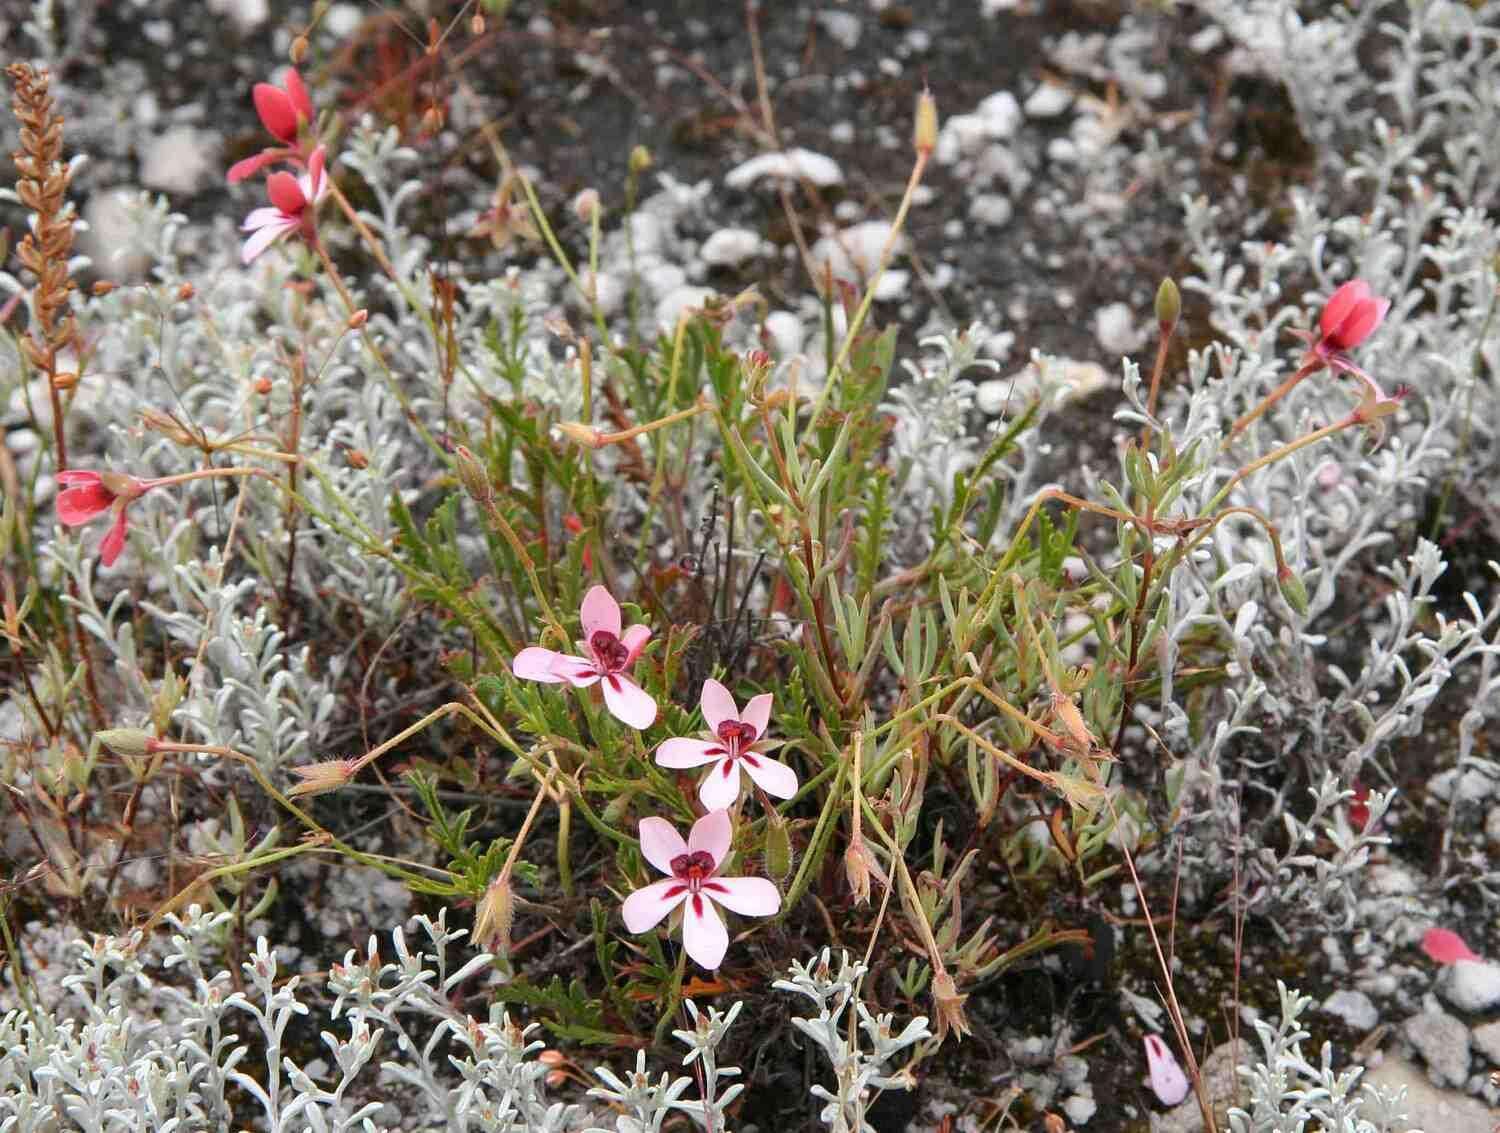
pixel 694 868
pixel 608 650
pixel 736 735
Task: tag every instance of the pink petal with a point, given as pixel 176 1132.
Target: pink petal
pixel 721 786
pixel 1341 302
pixel 717 704
pixel 634 640
pixel 285 193
pixel 313 183
pixel 297 91
pixel 684 752
pixel 79 505
pixel 704 937
pixel 600 611
pixel 628 702
pixel 771 776
pixel 758 713
pixel 1361 322
pixel 1446 947
pixel 264 238
pixel 114 539
pixel 660 843
pixel 748 896
pixel 1168 1082
pixel 711 834
pixel 77 477
pixel 250 166
pixel 537 664
pixel 576 671
pixel 261 217
pixel 645 908
pixel 276 111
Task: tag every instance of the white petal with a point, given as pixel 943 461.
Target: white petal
pixel 684 752
pixel 628 702
pixel 704 936
pixel 774 778
pixel 660 843
pixel 758 713
pixel 536 664
pixel 711 834
pixel 721 786
pixel 646 907
pixel 718 705
pixel 600 611
pixel 748 896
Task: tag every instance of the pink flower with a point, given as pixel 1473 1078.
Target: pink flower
pixel 691 868
pixel 284 113
pixel 90 494
pixel 1446 947
pixel 1168 1082
pixel 1349 317
pixel 734 746
pixel 294 202
pixel 606 654
pixel 1359 806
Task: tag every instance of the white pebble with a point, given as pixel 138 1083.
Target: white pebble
pixel 1114 326
pixel 1048 101
pixel 730 247
pixel 993 210
pixel 794 164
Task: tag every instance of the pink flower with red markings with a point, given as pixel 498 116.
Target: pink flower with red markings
pixel 284 112
pixel 293 208
pixel 737 743
pixel 86 495
pixel 1446 947
pixel 693 882
pixel 1168 1082
pixel 606 653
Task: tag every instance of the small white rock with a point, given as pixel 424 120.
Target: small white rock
pixel 730 247
pixel 842 27
pixel 1048 101
pixel 1114 326
pixel 662 279
pixel 1355 1008
pixel 786 333
pixel 1443 1043
pixel 1487 1039
pixel 1079 1109
pixel 246 15
pixel 1001 115
pixel 993 210
pixel 608 289
pixel 110 238
pixel 180 160
pixel 794 164
pixel 1471 985
pixel 855 251
pixel 673 304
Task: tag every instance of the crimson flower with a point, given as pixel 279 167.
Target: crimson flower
pixel 606 654
pixel 734 746
pixel 293 208
pixel 283 112
pixel 1168 1082
pixel 1349 317
pixel 1446 947
pixel 86 495
pixel 693 882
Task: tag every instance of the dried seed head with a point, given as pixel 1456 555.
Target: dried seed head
pixel 473 477
pixel 167 426
pixel 857 863
pixel 102 287
pixel 357 458
pixel 495 915
pixel 320 778
pixel 64 380
pixel 580 434
pixel 948 1005
pixel 476 24
pixel 586 205
pixel 432 121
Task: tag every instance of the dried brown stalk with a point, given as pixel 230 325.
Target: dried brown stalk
pixel 42 185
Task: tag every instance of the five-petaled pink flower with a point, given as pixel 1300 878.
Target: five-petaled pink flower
pixel 1168 1082
pixel 294 202
pixel 693 882
pixel 86 495
pixel 606 654
pixel 735 745
pixel 283 112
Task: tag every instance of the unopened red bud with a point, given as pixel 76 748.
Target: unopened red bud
pixel 103 287
pixel 432 121
pixel 473 477
pixel 186 292
pixel 357 458
pixel 552 1058
pixel 358 319
pixel 581 434
pixel 64 380
pixel 126 741
pixel 925 133
pixel 299 50
pixel 263 386
pixel 476 24
pixel 640 160
pixel 1168 305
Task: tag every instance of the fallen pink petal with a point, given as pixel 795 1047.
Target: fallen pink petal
pixel 1168 1082
pixel 1444 946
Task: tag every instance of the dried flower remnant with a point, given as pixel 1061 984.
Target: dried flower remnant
pixel 1168 1082
pixel 693 882
pixel 737 744
pixel 948 1005
pixel 607 653
pixel 284 111
pixel 1444 946
pixel 322 777
pixel 293 207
